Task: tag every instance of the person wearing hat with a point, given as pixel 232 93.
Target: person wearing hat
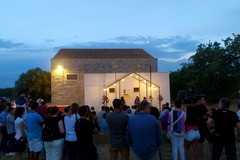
pixel 144 134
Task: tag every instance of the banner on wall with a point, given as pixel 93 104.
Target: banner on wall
pixel 126 93
pixel 127 96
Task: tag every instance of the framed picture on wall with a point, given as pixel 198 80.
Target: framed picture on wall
pixel 111 90
pixel 136 89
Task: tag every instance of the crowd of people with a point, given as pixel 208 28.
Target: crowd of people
pixel 139 128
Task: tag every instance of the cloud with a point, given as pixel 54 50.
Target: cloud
pixel 6 44
pixel 49 40
pixel 170 44
pixel 181 58
pixel 169 48
pixel 139 40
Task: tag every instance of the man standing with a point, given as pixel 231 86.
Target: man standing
pixel 201 110
pixel 34 123
pixel 117 123
pixel 225 122
pixel 144 134
pixel 22 101
pixel 10 125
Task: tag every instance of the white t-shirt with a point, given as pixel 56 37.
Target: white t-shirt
pixel 69 122
pixel 18 134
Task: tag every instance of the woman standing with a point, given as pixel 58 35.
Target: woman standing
pixel 19 128
pixel 71 138
pixel 54 147
pixel 177 119
pixel 84 131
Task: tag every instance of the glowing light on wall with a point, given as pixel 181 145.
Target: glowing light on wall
pixel 59 69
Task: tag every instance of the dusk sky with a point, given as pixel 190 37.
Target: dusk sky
pixel 32 32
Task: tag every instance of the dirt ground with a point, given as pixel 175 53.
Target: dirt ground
pixel 102 147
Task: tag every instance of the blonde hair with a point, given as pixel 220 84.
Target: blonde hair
pixel 73 109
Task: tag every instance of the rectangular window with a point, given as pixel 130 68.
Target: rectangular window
pixel 111 90
pixel 136 89
pixel 72 77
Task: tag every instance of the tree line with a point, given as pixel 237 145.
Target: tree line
pixel 35 82
pixel 214 71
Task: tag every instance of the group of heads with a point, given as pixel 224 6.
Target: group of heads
pixel 200 99
pixel 223 102
pixel 74 108
pixel 144 105
pixel 117 104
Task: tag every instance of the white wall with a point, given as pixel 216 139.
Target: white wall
pixel 94 85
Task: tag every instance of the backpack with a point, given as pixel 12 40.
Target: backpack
pixel 47 133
